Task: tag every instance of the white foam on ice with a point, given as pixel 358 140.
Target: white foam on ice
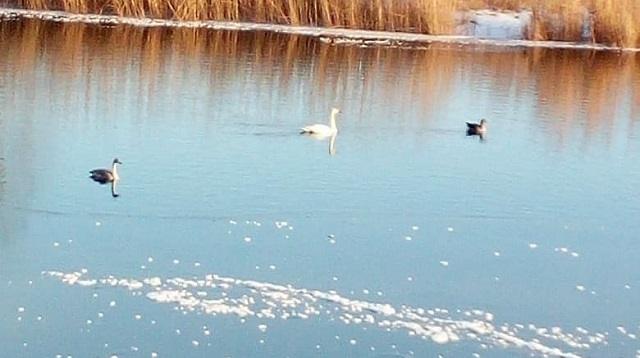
pixel 263 300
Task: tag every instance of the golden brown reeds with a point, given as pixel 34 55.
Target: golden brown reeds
pixel 612 22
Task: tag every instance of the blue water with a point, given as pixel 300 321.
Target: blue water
pixel 536 224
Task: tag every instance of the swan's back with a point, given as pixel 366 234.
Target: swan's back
pixel 101 175
pixel 320 129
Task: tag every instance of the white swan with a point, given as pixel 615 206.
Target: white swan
pixel 323 130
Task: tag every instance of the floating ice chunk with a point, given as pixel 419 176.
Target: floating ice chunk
pixel 408 238
pixel 153 281
pixel 195 343
pixel 580 287
pixel 272 267
pixel 353 342
pixel 112 304
pixel 247 239
pixel 176 261
pixel 496 253
pixel 533 246
pixel 450 229
pixel 262 327
pixel 137 317
pixel 149 259
pixel 98 223
pixel 440 337
pixel 415 228
pixel 627 286
pixel 233 222
pixel 20 309
pixel 56 244
pixel 154 355
pixel 444 263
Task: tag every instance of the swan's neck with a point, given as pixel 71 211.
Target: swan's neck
pixel 114 171
pixel 333 122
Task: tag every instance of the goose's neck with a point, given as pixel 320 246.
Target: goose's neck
pixel 333 122
pixel 114 171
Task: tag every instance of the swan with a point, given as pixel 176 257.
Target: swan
pixel 477 128
pixel 323 130
pixel 104 176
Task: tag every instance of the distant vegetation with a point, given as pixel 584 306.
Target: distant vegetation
pixel 613 22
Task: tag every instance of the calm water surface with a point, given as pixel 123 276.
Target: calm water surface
pixel 532 232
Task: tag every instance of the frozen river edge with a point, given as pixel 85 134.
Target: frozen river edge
pixel 329 35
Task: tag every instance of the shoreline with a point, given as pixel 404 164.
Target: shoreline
pixel 339 36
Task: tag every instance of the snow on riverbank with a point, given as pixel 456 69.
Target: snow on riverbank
pixel 487 27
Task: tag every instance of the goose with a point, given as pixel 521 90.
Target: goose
pixel 104 176
pixel 477 128
pixel 323 130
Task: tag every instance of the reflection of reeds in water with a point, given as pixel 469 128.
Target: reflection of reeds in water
pixel 572 86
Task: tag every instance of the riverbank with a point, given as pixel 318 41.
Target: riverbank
pixel 597 21
pixel 328 35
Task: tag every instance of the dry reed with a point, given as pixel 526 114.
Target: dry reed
pixel 612 22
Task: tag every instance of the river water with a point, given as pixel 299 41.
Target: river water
pixel 234 236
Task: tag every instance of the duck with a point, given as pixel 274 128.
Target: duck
pixel 477 128
pixel 104 176
pixel 323 130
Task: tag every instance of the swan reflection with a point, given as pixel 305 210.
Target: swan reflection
pixel 332 140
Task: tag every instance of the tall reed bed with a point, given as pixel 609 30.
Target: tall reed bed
pixel 423 16
pixel 613 22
